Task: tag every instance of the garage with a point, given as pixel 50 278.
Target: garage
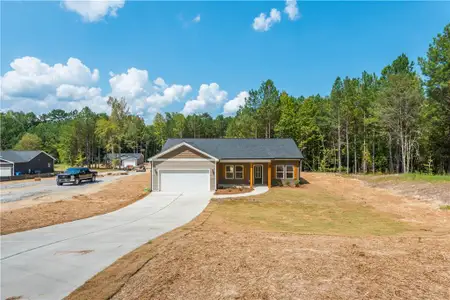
pixel 5 171
pixel 184 180
pixel 129 162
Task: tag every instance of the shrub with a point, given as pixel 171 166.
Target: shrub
pixel 277 182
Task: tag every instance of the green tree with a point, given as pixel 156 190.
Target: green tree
pixel 29 141
pixel 401 100
pixel 436 68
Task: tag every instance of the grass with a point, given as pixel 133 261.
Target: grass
pixel 300 211
pixel 410 177
pixel 63 167
pixel 445 207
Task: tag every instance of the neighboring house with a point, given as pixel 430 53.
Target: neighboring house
pixel 126 159
pixel 13 162
pixel 206 164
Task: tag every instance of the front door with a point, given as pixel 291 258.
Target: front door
pixel 257 174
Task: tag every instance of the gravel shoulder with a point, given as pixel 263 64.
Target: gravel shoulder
pixel 334 238
pixel 73 203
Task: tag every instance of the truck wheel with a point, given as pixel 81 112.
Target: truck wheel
pixel 77 181
pixel 59 183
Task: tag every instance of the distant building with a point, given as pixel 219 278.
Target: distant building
pixel 14 162
pixel 126 159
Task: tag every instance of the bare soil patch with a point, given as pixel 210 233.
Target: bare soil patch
pixel 233 191
pixel 110 197
pixel 435 192
pixel 331 239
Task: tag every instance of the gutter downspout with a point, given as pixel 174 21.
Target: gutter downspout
pixel 151 176
pixel 215 176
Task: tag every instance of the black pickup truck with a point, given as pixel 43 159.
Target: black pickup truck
pixel 75 176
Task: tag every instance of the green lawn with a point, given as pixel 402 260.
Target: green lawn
pixel 306 211
pixel 63 167
pixel 406 177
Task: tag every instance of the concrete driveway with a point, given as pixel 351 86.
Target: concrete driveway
pixel 49 263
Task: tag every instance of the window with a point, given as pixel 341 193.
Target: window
pixel 49 165
pixel 239 172
pixel 280 172
pixel 289 172
pixel 229 172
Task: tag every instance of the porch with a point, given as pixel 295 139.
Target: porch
pixel 256 172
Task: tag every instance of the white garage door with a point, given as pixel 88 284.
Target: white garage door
pixel 184 180
pixel 128 162
pixel 5 171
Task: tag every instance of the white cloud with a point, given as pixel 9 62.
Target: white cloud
pixel 30 77
pixel 94 10
pixel 196 19
pixel 291 10
pixel 173 93
pixel 263 23
pixel 132 84
pixel 208 95
pixel 32 85
pixel 232 106
pixel 67 91
pixel 160 83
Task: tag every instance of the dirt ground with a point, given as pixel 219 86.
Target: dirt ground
pixel 334 238
pixel 104 199
pixel 436 193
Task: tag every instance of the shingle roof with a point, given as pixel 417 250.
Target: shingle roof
pixel 16 156
pixel 243 148
pixel 124 155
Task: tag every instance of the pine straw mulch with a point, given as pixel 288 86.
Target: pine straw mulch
pixel 238 265
pixel 213 257
pixel 111 197
pixel 233 191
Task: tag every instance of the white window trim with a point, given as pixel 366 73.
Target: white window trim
pixel 226 173
pixel 286 171
pixel 243 170
pixel 276 171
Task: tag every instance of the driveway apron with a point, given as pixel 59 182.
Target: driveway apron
pixel 50 262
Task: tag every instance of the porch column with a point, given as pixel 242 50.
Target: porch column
pixel 251 175
pixel 269 175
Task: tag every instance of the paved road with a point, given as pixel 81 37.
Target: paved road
pixel 15 191
pixel 50 262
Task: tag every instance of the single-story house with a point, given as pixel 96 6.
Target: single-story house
pixel 13 162
pixel 126 159
pixel 208 164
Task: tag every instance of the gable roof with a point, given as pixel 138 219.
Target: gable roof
pixel 242 148
pixel 16 156
pixel 124 155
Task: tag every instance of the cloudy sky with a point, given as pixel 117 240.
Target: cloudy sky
pixel 194 57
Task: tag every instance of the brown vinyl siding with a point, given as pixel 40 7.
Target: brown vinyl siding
pixel 184 152
pixel 246 180
pixel 223 180
pixel 183 165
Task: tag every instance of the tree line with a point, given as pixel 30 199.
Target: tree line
pixel 394 122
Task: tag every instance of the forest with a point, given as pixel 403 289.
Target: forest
pixel 397 121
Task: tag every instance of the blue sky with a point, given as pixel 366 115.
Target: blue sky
pixel 212 61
